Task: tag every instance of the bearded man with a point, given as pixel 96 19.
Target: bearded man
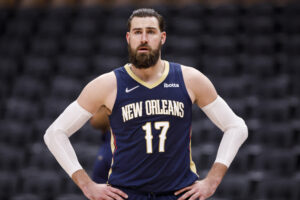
pixel 149 101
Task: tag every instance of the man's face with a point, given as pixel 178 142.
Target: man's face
pixel 144 41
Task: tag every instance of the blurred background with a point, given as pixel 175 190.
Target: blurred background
pixel 249 49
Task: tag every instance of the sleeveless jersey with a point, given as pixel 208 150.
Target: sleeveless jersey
pixel 151 132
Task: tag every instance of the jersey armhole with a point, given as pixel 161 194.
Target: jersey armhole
pixel 115 103
pixel 184 88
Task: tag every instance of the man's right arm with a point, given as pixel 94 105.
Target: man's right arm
pixel 98 92
pixel 72 119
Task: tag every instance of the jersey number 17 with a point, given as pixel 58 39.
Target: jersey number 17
pixel 163 126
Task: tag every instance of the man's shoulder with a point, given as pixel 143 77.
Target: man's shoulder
pixel 190 71
pixel 105 76
pixel 193 75
pixel 102 80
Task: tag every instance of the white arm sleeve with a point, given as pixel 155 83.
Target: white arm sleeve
pixel 234 128
pixel 57 136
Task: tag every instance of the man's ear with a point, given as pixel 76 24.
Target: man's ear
pixel 163 37
pixel 127 37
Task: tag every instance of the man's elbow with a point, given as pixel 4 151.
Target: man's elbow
pixel 243 129
pixel 47 135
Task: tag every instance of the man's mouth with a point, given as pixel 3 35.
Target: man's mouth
pixel 143 49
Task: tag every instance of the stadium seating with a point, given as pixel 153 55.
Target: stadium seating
pixel 12 158
pixel 46 184
pixel 249 52
pixel 70 197
pixel 8 184
pixel 9 68
pixel 15 132
pixel 278 188
pixel 65 88
pixel 21 109
pixel 39 66
pixel 41 157
pixel 235 187
pixel 27 196
pixel 27 87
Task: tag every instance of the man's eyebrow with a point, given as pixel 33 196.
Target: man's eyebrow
pixel 149 27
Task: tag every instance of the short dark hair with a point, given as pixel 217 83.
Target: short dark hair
pixel 147 12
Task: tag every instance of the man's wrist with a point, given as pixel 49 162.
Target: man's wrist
pixel 82 179
pixel 216 174
pixel 213 181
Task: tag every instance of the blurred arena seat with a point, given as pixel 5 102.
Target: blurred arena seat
pixel 38 67
pixel 220 45
pixel 235 188
pixel 183 45
pixel 44 183
pixel 64 87
pixel 41 157
pixel 44 46
pixel 19 28
pixel 192 27
pixel 11 158
pixel 49 27
pixel 219 65
pixel 115 26
pixel 21 109
pixel 26 196
pixel 103 64
pixel 192 11
pixel 111 46
pixel 27 87
pixel 13 47
pixel 70 197
pixel 53 106
pixel 203 132
pixel 258 65
pixel 77 45
pixel 72 66
pixel 9 69
pixel 85 27
pixel 86 153
pixel 258 44
pixel 204 156
pixel 8 184
pixel 278 188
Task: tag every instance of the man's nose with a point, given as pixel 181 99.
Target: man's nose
pixel 144 38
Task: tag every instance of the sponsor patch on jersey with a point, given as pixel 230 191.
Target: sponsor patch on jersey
pixel 171 85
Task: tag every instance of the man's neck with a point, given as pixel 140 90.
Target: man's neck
pixel 150 74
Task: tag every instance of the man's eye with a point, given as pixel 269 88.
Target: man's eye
pixel 137 32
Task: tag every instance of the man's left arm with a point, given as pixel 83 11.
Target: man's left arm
pixel 203 93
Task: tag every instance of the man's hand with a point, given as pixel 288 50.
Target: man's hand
pixel 199 190
pixel 95 191
pixel 205 188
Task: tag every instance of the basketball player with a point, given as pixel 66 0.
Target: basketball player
pixel 102 164
pixel 150 104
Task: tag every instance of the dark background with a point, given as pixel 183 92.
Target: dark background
pixel 250 50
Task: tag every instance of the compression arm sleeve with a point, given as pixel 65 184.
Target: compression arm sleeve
pixel 57 136
pixel 234 128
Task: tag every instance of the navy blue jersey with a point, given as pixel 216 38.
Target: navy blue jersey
pixel 151 132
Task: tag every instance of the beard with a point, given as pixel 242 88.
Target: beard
pixel 144 60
